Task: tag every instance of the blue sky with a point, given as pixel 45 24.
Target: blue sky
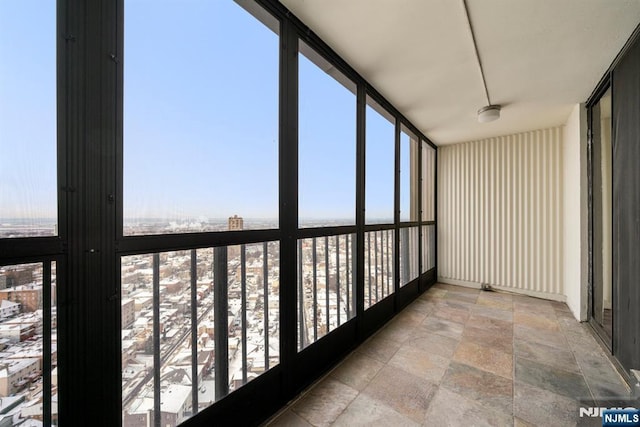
pixel 27 109
pixel 201 118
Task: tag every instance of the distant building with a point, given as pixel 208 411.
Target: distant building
pixel 175 408
pixel 30 296
pixel 28 325
pixel 3 281
pixel 8 309
pixel 7 405
pixel 236 223
pixel 128 312
pixel 16 375
pixel 18 276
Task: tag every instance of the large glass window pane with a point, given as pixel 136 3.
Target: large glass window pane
pixel 428 182
pixel 408 176
pixel 176 306
pixel 25 337
pixel 408 254
pixel 200 116
pixel 379 275
pixel 327 138
pixel 253 291
pixel 326 289
pixel 602 208
pixel 28 195
pixel 428 247
pixel 380 155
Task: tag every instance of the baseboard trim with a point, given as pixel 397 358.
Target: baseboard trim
pixel 527 292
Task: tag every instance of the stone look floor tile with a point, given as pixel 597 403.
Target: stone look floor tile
pixel 398 331
pixel 461 296
pixel 443 327
pixel 518 422
pixel 542 407
pixel 405 393
pixel 596 367
pixel 548 355
pixel 420 363
pixel 451 409
pixel 422 306
pixel 493 313
pixel 428 342
pixel 357 370
pixel 436 292
pixel 485 358
pixel 536 321
pixel 494 325
pixel 490 390
pixel 460 305
pixel 452 314
pixel 533 335
pixel 409 318
pixel 552 379
pixel 606 392
pixel 325 402
pixel 366 411
pixel 491 301
pixel 498 341
pixel 289 419
pixel 580 340
pixel 426 368
pixel 379 348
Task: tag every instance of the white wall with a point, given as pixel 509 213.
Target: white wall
pixel 500 213
pixel 575 212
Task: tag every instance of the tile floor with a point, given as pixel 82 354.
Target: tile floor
pixel 460 357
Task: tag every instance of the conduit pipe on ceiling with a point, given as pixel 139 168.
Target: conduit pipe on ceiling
pixel 489 112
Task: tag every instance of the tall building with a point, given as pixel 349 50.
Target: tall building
pixel 236 223
pixel 30 296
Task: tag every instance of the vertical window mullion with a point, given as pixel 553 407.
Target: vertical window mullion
pixel 396 210
pixel 243 303
pixel 265 299
pixel 46 342
pixel 314 261
pixel 301 324
pixel 338 278
pixel 220 319
pixel 194 331
pixel 326 283
pixel 156 341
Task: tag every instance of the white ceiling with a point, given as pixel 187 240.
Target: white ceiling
pixel 540 57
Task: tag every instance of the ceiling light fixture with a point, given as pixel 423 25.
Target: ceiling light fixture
pixel 490 112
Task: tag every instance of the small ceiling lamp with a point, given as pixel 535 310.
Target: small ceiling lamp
pixel 489 113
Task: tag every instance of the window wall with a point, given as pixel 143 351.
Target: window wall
pixel 200 155
pixel 203 147
pixel 327 143
pixel 28 130
pixel 428 211
pixel 213 208
pixel 31 223
pixel 379 156
pixel 602 206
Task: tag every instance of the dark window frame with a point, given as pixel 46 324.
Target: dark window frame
pixel 90 241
